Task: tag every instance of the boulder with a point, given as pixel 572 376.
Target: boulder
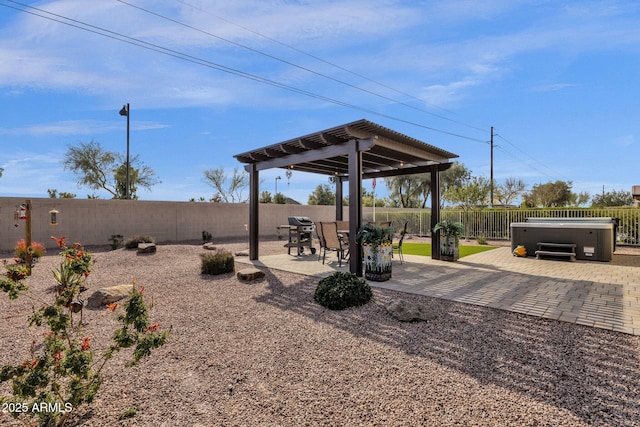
pixel 146 248
pixel 406 311
pixel 242 253
pixel 109 295
pixel 209 246
pixel 250 274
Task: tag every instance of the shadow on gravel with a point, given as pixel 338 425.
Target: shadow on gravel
pixel 592 373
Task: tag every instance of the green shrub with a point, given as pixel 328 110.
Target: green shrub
pixel 206 236
pixel 482 239
pixel 115 241
pixel 342 290
pixel 132 242
pixel 219 263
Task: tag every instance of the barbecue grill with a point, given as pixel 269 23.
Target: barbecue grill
pixel 300 234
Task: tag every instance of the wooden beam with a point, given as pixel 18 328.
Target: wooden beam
pixel 313 155
pixel 406 171
pixel 288 149
pixel 310 145
pixel 331 139
pixel 258 157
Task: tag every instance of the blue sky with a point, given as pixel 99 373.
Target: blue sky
pixel 558 80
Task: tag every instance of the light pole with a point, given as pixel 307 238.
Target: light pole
pixel 277 178
pixel 126 112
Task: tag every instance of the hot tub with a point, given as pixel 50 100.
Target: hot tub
pixel 594 237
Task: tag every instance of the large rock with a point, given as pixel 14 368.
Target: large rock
pixel 109 295
pixel 406 311
pixel 209 246
pixel 250 274
pixel 146 248
pixel 244 252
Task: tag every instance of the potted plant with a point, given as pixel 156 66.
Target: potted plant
pixel 376 249
pixel 449 239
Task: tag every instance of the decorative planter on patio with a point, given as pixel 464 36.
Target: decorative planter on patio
pixel 377 262
pixel 449 248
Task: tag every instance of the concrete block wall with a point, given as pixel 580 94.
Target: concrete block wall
pixel 93 221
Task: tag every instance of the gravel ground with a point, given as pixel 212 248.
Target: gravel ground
pixel 264 353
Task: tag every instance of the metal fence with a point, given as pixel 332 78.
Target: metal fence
pixel 496 223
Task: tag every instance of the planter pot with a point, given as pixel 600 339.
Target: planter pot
pixel 449 248
pixel 377 262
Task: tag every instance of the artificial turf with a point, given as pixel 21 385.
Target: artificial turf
pixel 424 249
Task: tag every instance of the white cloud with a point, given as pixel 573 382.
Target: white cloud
pixel 76 127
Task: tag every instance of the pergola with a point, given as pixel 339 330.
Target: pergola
pixel 350 152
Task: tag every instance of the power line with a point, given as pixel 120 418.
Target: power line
pixel 556 173
pixel 199 61
pixel 309 70
pixel 337 66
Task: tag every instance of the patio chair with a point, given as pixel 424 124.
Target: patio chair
pixel 332 241
pixel 398 247
pixel 320 240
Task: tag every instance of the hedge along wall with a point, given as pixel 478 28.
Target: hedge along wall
pixel 93 221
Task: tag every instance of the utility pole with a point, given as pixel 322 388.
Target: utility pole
pixel 491 177
pixel 126 112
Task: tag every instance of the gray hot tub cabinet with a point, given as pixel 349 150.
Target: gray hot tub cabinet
pixel 594 237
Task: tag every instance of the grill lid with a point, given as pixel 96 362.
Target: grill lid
pixel 300 221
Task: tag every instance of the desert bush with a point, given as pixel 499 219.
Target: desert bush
pixel 63 369
pixel 342 290
pixel 115 241
pixel 219 263
pixel 206 236
pixel 132 242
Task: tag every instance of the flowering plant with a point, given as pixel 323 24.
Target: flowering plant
pixel 21 251
pixel 64 371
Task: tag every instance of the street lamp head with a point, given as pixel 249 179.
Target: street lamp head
pixel 124 111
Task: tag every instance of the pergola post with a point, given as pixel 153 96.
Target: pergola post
pixel 339 209
pixel 254 214
pixel 355 206
pixel 435 212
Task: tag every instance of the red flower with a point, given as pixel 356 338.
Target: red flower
pixel 59 241
pixel 58 356
pixel 85 343
pixel 113 306
pixel 153 327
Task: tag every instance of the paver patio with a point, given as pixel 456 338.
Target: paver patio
pixel 599 294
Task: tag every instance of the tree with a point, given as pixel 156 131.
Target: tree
pixel 578 199
pixel 509 191
pixel 612 198
pixel 265 197
pixel 456 176
pixel 142 176
pixel 99 169
pixel 550 195
pixel 1 170
pixel 472 194
pixel 229 189
pixel 280 199
pixel 405 190
pixel 53 193
pixel 322 195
